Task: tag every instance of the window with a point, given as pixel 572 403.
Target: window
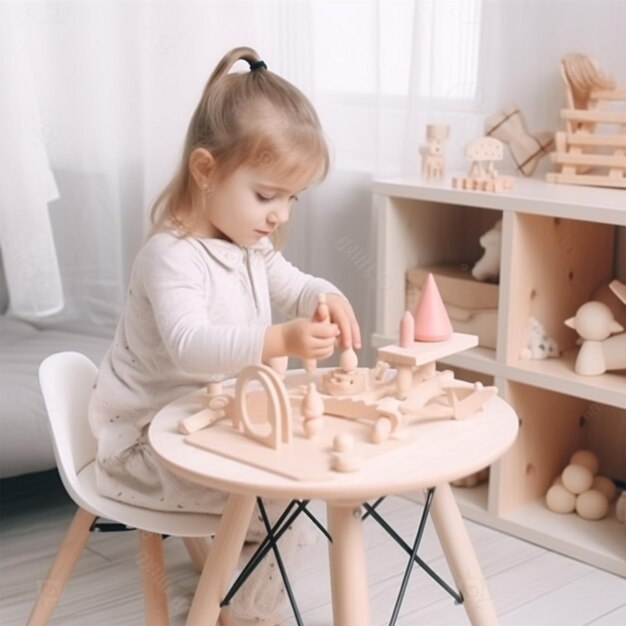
pixel 390 47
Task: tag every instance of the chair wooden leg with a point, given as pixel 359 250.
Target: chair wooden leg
pixel 198 550
pixel 67 555
pixel 154 579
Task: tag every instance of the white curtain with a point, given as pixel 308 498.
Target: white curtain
pixel 116 83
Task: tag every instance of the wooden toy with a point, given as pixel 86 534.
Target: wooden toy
pixel 218 407
pixel 433 165
pixel 472 306
pixel 313 412
pixel 321 315
pixel 488 266
pixel 586 155
pixel 431 318
pixel 322 422
pixel 482 175
pixel 600 351
pixel 407 330
pixel 526 149
pixel 578 488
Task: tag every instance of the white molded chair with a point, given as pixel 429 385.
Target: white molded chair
pixel 67 379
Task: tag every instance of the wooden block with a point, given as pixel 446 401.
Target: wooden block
pixel 421 353
pixel 586 179
pixel 594 115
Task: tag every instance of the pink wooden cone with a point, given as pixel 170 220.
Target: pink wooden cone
pixel 431 318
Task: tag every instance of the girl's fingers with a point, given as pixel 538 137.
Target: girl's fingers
pixel 324 330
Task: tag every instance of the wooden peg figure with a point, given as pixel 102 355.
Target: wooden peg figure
pixel 433 165
pixel 348 361
pixel 322 314
pixel 312 411
pixel 407 330
pixel 344 459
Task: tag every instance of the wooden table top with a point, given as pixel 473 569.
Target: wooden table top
pixel 438 452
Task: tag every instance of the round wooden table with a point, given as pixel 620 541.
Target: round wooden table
pixel 443 451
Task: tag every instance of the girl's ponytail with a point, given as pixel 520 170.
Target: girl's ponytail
pixel 242 53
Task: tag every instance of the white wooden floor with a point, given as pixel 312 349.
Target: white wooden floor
pixel 530 586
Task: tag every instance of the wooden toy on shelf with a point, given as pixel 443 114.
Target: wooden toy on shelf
pixel 583 155
pixel 482 174
pixel 581 489
pixel 431 318
pixel 601 350
pixel 433 164
pixel 335 420
pixel 526 149
pixel 470 304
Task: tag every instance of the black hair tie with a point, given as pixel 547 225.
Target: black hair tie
pixel 257 65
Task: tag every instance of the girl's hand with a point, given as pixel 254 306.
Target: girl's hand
pixel 342 314
pixel 303 338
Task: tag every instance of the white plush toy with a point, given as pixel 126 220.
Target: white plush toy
pixel 538 344
pixel 488 266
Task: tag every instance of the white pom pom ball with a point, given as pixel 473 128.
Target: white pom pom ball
pixel 587 459
pixel 577 478
pixel 560 500
pixel 606 486
pixel 592 505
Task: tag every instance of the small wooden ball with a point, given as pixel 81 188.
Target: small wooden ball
pixel 312 427
pixel 345 463
pixel 381 430
pixel 592 505
pixel 587 459
pixel 560 500
pixel 577 478
pixel 606 486
pixel 343 443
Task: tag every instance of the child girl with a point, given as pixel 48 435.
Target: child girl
pixel 202 287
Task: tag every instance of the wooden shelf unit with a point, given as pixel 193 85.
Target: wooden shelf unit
pixel 558 246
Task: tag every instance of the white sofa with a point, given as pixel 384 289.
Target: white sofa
pixel 25 445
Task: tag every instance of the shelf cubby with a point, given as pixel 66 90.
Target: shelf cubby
pixel 558 247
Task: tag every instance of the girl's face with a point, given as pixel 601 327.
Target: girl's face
pixel 251 203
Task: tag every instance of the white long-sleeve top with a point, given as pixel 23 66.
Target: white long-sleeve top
pixel 196 310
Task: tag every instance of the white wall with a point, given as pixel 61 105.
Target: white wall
pixel 522 44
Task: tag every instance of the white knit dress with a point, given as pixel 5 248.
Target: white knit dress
pixel 196 310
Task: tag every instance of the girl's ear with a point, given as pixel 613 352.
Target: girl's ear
pixel 201 164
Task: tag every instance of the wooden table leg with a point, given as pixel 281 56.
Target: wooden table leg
pixel 461 558
pixel 221 562
pixel 348 574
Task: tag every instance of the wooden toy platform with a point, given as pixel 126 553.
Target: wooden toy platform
pixel 303 458
pixel 351 425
